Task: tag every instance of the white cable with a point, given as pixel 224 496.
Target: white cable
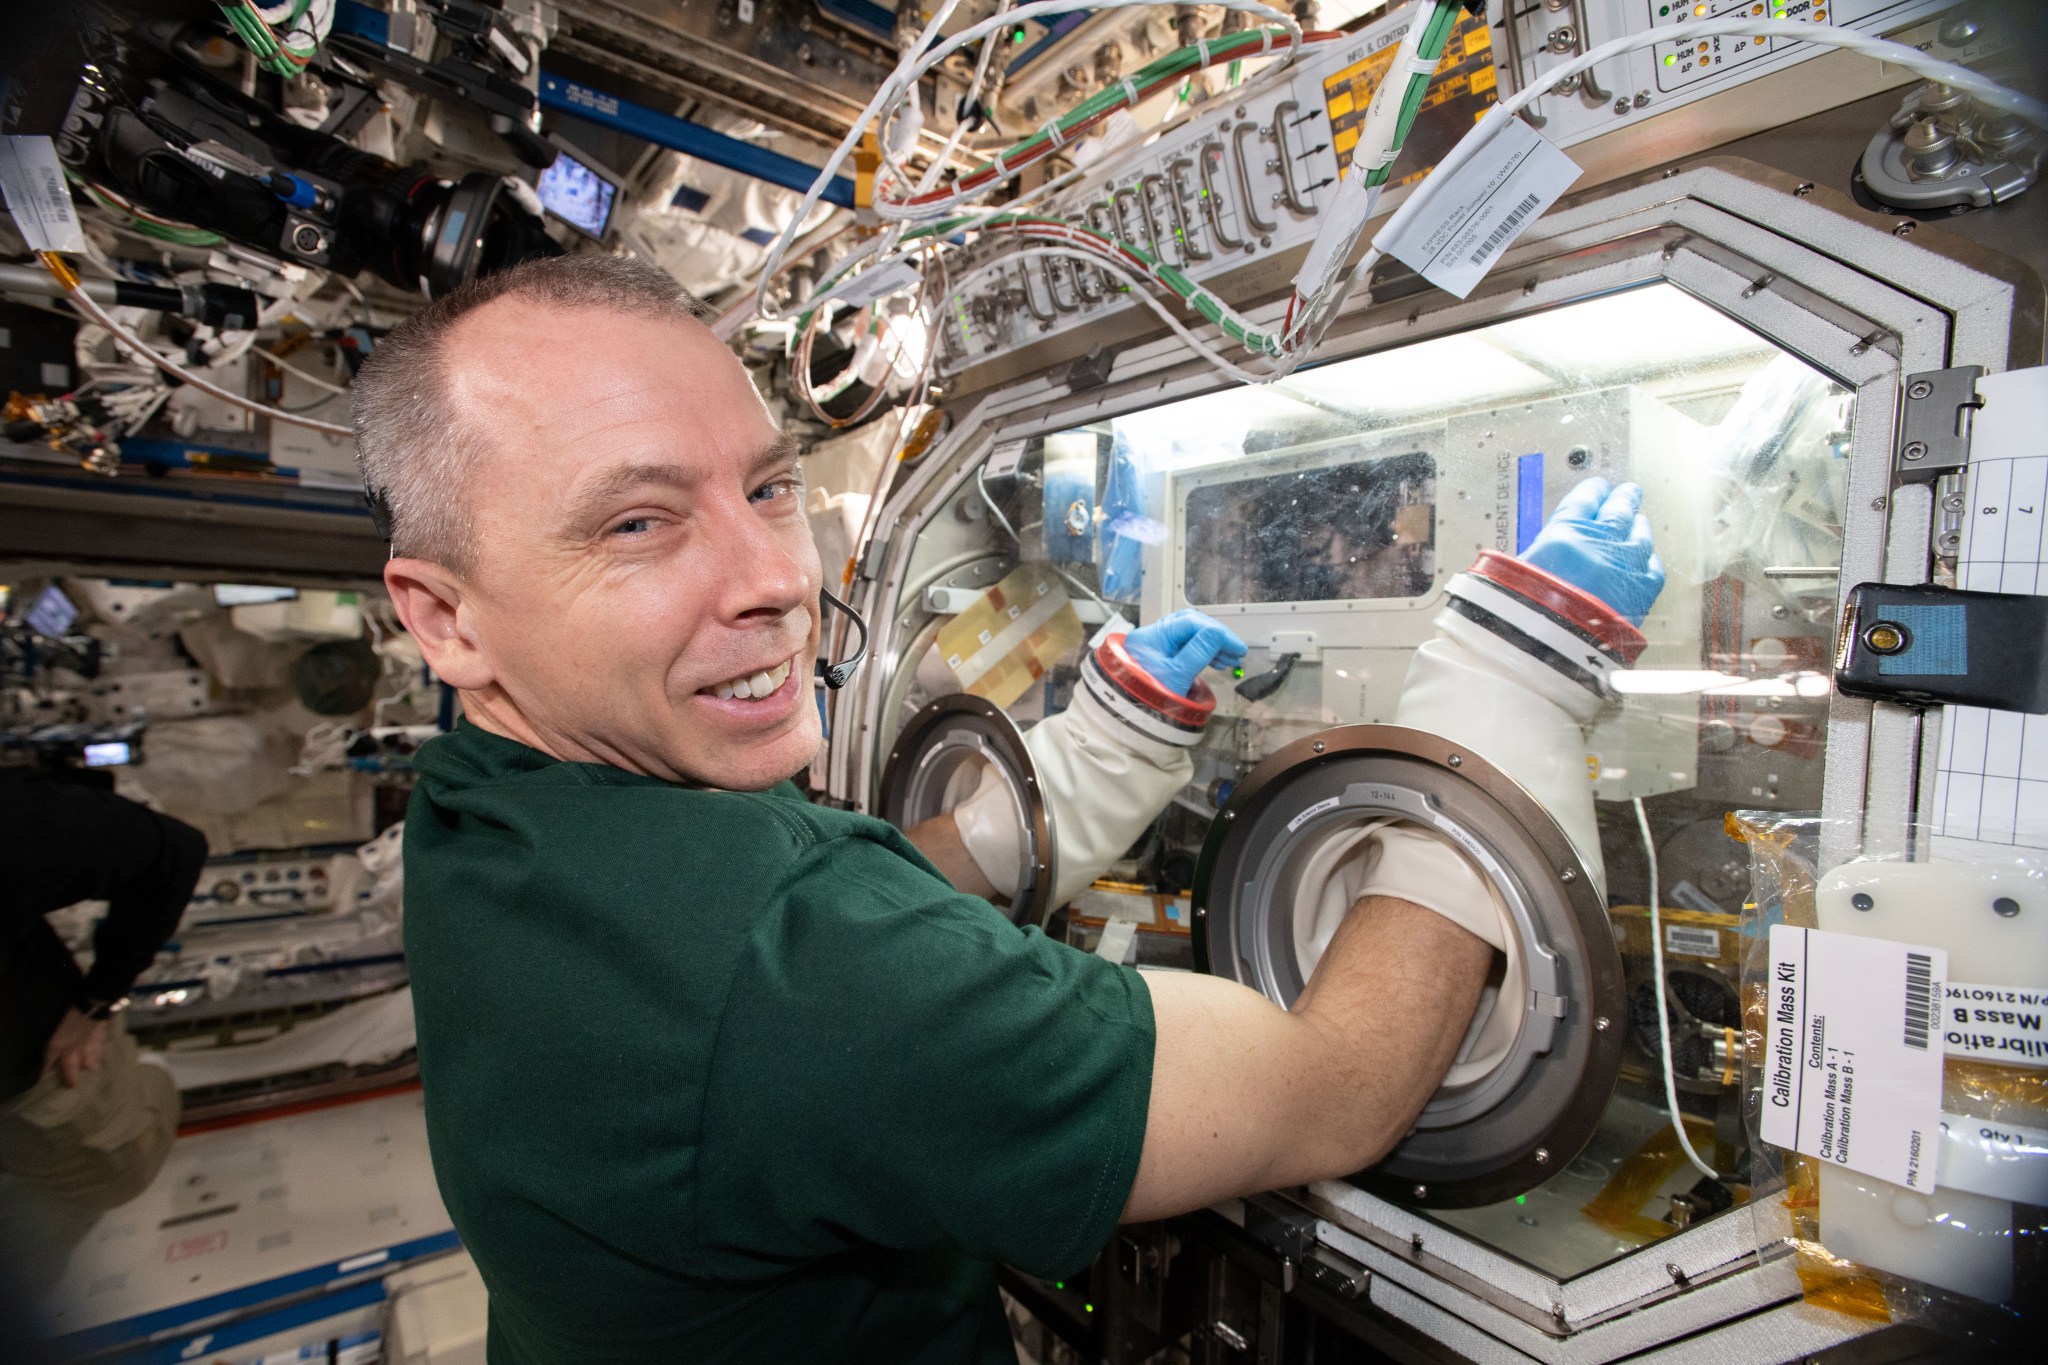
pixel 1663 1005
pixel 139 347
pixel 1140 289
pixel 315 380
pixel 989 47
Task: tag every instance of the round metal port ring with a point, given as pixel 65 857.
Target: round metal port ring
pixel 1523 1120
pixel 927 756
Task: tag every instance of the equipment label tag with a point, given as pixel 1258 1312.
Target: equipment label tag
pixel 874 284
pixel 1690 940
pixel 1004 459
pixel 33 182
pixel 1489 202
pixel 1995 1023
pixel 1852 1069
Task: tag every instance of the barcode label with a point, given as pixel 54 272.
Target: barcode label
pixel 1692 940
pixel 1839 1081
pixel 32 180
pixel 1919 999
pixel 1476 214
pixel 1506 229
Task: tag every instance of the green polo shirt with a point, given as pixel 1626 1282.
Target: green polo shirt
pixel 730 1077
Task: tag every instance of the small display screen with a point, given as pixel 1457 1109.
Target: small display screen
pixel 112 754
pixel 1315 535
pixel 52 613
pixel 579 196
pixel 249 594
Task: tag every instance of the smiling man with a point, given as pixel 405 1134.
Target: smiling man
pixel 716 1074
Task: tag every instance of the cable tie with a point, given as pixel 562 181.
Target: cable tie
pixel 1053 134
pixel 1265 41
pixel 1130 92
pixel 1202 48
pixel 998 166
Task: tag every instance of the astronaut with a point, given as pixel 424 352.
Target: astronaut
pixel 714 1072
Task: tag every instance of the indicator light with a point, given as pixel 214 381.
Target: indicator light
pixel 1059 1284
pixel 1018 36
pixel 1671 59
pixel 1699 11
pixel 1237 672
pixel 1521 1199
pixel 1089 1306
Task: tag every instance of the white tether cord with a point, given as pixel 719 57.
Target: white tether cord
pixel 1663 1005
pixel 135 344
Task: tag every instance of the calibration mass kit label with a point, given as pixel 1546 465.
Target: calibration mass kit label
pixel 1852 1063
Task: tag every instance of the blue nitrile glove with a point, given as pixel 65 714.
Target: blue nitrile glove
pixel 1598 541
pixel 1176 648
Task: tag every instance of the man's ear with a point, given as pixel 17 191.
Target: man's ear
pixel 433 604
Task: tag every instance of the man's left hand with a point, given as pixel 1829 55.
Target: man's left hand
pixel 75 1047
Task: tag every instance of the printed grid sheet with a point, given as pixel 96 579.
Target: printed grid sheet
pixel 1991 789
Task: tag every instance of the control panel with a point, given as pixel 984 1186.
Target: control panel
pixel 1247 178
pixel 1680 69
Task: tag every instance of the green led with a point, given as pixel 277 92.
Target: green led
pixel 1059 1284
pixel 1089 1306
pixel 1237 672
pixel 1521 1199
pixel 1018 36
pixel 1671 59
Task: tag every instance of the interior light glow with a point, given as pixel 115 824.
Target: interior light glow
pixel 1636 332
pixel 1671 682
pixel 1445 373
pixel 908 339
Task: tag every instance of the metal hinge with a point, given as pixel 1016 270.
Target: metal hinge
pixel 1338 1273
pixel 1934 446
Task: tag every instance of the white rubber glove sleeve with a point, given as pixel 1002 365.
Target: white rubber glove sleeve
pixel 1103 783
pixel 987 821
pixel 1475 689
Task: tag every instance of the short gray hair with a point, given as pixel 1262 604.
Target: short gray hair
pixel 412 445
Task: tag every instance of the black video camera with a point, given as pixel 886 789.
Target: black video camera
pixel 158 123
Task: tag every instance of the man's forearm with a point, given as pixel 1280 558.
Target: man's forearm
pixel 1388 1006
pixel 1247 1096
